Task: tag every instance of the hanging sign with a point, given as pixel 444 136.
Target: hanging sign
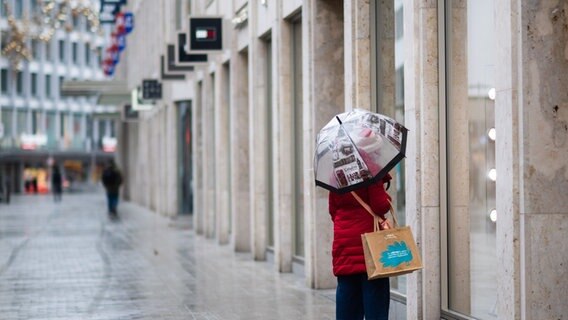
pixel 182 57
pixel 205 34
pixel 151 89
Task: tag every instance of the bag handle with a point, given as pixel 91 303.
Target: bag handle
pixel 376 222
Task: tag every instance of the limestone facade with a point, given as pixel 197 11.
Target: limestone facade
pixel 249 111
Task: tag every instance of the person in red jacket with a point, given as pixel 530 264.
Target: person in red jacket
pixel 357 297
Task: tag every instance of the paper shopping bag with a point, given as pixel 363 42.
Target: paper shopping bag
pixel 390 252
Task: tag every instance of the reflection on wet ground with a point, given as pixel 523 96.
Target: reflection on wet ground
pixel 70 261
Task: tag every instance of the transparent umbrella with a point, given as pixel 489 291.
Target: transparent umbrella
pixel 357 148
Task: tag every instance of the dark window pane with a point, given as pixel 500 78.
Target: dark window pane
pixel 34 84
pixel 4 81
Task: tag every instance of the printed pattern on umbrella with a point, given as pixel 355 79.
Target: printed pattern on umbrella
pixel 357 148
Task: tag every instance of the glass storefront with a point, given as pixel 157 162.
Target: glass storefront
pixel 471 215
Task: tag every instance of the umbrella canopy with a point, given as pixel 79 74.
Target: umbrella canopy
pixel 357 148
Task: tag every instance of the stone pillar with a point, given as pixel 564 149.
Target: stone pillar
pixel 258 138
pixel 221 115
pixel 358 54
pixel 198 164
pixel 209 161
pixel 173 138
pixel 532 148
pixel 283 141
pixel 423 173
pixel 323 89
pixel 240 157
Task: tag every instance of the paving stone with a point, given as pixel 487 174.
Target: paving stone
pixel 70 261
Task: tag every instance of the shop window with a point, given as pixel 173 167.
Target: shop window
pixel 470 122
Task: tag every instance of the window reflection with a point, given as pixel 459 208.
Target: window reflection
pixel 470 53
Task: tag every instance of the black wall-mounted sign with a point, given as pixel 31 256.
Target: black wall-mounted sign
pixel 205 34
pixel 186 58
pixel 172 67
pixel 168 76
pixel 151 89
pixel 108 10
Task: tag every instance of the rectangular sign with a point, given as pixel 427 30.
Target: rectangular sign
pixel 205 34
pixel 151 89
pixel 182 57
pixel 168 76
pixel 171 59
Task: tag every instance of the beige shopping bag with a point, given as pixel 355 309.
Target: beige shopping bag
pixel 389 252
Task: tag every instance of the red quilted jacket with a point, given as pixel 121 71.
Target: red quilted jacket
pixel 350 220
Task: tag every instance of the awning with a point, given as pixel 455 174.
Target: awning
pixel 108 92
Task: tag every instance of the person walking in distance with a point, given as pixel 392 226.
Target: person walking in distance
pixel 112 179
pixel 56 183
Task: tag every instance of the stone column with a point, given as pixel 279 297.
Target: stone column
pixel 422 162
pixel 358 54
pixel 221 115
pixel 283 141
pixel 323 89
pixel 209 161
pixel 240 157
pixel 173 138
pixel 532 148
pixel 258 138
pixel 198 164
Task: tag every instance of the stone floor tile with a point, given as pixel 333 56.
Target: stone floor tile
pixel 70 261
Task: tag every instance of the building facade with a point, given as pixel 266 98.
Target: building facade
pixel 38 122
pixel 478 84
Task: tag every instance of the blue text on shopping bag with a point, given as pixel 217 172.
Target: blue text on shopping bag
pixel 396 254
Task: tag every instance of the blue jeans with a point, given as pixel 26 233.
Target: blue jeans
pixel 357 297
pixel 112 200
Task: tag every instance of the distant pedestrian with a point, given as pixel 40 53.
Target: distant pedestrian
pixel 112 179
pixel 56 184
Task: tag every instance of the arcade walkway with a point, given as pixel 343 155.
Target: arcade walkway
pixel 69 261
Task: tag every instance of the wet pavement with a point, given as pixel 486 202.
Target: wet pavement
pixel 70 261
